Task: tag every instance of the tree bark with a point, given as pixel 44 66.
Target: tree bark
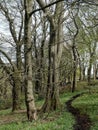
pixel 29 96
pixel 16 90
pixel 74 69
pixel 52 101
pixel 17 80
pixel 89 72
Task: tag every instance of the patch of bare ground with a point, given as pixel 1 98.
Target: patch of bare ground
pixel 83 121
pixel 16 116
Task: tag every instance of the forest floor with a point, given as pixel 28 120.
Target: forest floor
pixel 9 117
pixel 83 121
pixel 80 113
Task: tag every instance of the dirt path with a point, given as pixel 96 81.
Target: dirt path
pixel 83 121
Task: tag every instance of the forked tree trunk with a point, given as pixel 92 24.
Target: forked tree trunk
pixel 52 101
pixel 29 96
pixel 15 80
pixel 52 93
pixel 17 40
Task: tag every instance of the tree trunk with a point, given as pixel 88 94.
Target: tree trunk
pixel 17 84
pixel 52 101
pixel 74 69
pixel 83 71
pixel 19 64
pixel 29 96
pixel 89 74
pixel 41 93
pixel 80 71
pixel 52 95
pixel 96 71
pixel 16 91
pixel 89 70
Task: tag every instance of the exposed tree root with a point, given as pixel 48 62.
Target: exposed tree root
pixel 83 121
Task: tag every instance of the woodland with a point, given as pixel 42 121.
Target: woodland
pixel 48 65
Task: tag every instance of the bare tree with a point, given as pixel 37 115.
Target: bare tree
pixel 29 96
pixel 11 15
pixel 54 55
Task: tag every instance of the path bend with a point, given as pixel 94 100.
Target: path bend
pixel 83 121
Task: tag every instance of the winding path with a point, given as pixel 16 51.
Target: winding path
pixel 83 121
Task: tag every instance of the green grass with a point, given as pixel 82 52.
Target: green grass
pixel 58 120
pixel 5 112
pixel 88 103
pixel 64 122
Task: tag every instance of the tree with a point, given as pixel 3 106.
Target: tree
pixel 29 96
pixel 17 39
pixel 88 33
pixel 54 55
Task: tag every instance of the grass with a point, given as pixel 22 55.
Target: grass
pixel 58 124
pixel 58 120
pixel 88 103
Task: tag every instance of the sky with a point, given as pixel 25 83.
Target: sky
pixel 3 25
pixel 4 29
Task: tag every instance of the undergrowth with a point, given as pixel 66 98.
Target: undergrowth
pixel 88 103
pixel 58 120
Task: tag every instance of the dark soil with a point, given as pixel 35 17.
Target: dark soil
pixel 83 121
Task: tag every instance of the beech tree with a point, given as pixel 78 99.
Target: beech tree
pixel 52 101
pixel 88 33
pixel 11 14
pixel 37 30
pixel 29 96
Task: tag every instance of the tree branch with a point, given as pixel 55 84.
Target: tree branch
pixel 13 66
pixel 44 7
